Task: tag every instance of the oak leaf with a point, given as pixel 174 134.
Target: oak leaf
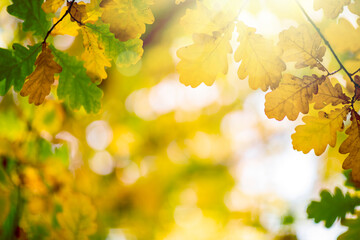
pixel 75 86
pixel 127 18
pixel 30 11
pixel 260 59
pixel 332 207
pixel 320 131
pixel 292 97
pixel 94 57
pixel 351 146
pixel 51 6
pixel 39 82
pixel 78 12
pixel 353 231
pixel 332 8
pixel 343 36
pixel 124 54
pixel 66 26
pixel 303 46
pixel 16 65
pixel 205 59
pixel 207 18
pixel 329 94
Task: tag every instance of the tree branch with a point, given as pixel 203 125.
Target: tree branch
pixel 53 26
pixel 332 51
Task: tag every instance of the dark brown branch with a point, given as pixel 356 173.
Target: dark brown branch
pixel 53 26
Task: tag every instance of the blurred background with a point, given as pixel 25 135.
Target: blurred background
pixel 165 161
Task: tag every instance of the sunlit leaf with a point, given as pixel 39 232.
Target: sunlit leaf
pixel 260 59
pixel 292 97
pixel 320 131
pixel 303 46
pixel 332 8
pixel 127 18
pixel 204 60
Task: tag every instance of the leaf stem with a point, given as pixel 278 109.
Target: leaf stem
pixel 352 74
pixel 53 26
pixel 342 67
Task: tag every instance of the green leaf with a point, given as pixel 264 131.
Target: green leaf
pixel 32 14
pixel 75 87
pixel 123 53
pixel 16 65
pixel 353 231
pixel 331 207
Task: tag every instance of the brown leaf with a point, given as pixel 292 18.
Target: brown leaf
pixel 329 94
pixel 351 146
pixel 78 11
pixel 39 82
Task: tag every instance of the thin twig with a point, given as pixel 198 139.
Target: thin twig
pixel 53 26
pixel 331 49
pixel 332 73
pixel 352 74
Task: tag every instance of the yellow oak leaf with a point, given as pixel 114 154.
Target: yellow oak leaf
pixel 320 131
pixel 51 6
pixel 93 11
pixel 77 220
pixel 207 18
pixel 66 26
pixel 94 56
pixel 355 8
pixel 127 18
pixel 259 58
pixel 38 84
pixel 351 146
pixel 343 36
pixel 332 8
pixel 302 45
pixel 291 97
pixel 204 60
pixel 329 94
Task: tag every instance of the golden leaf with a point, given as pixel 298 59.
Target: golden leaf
pixel 94 56
pixel 259 59
pixel 207 18
pixel 343 36
pixel 204 60
pixel 351 146
pixel 332 8
pixel 93 11
pixel 329 94
pixel 291 97
pixel 127 18
pixel 51 6
pixel 302 45
pixel 320 131
pixel 39 82
pixel 66 26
